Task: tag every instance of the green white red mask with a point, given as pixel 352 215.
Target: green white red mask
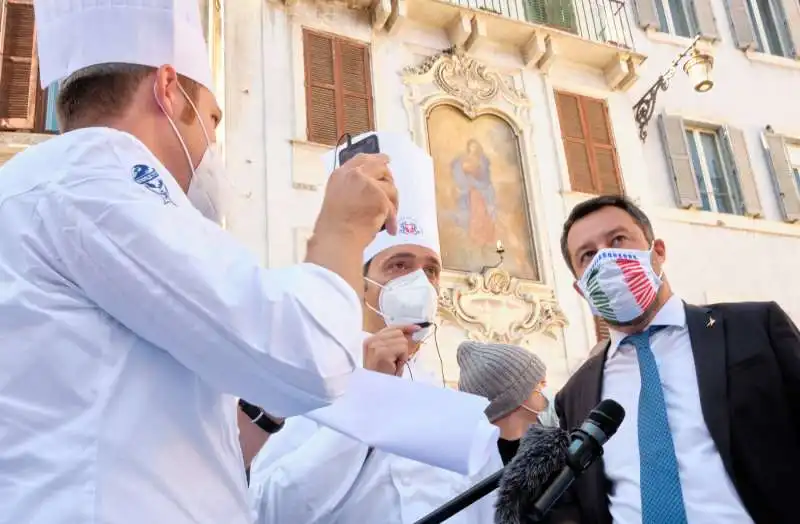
pixel 620 285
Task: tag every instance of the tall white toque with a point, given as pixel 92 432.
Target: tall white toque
pixel 412 169
pixel 76 34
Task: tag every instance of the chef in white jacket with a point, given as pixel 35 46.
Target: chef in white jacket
pixel 313 475
pixel 128 320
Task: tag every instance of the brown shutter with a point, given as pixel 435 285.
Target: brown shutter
pixel 321 106
pixel 356 89
pixel 743 170
pixel 673 135
pixel 588 144
pixel 646 14
pixel 603 152
pixel 791 10
pixel 704 17
pixel 741 26
pixel 576 144
pixel 338 87
pixel 18 67
pixel 601 329
pixel 783 177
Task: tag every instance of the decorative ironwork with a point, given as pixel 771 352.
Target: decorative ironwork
pixel 644 108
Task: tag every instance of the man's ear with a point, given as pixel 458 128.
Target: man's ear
pixel 659 251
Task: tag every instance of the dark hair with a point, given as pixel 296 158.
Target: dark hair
pixel 99 93
pixel 595 204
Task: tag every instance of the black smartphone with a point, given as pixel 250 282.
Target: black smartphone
pixel 369 145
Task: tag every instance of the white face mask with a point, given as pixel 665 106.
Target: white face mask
pixel 206 186
pixel 410 299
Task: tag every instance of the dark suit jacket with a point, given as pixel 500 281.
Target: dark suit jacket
pixel 748 372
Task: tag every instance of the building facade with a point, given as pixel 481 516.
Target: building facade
pixel 527 109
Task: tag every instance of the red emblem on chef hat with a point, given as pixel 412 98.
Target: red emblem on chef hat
pixel 408 226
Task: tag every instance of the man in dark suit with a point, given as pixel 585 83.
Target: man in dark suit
pixel 711 394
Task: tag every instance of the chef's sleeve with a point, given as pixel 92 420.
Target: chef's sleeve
pixel 285 339
pixel 310 484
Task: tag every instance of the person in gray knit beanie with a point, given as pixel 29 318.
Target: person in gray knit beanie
pixel 512 379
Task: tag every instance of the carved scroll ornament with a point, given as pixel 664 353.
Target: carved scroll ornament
pixel 461 76
pixel 493 306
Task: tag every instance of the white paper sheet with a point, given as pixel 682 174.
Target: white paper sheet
pixel 441 427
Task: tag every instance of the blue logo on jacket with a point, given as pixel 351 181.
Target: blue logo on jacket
pixel 149 178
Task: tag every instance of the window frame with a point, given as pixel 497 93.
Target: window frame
pixel 663 7
pixel 728 171
pixel 794 163
pixel 757 20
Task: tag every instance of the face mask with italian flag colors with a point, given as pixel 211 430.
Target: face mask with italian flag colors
pixel 620 285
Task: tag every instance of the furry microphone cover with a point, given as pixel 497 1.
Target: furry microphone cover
pixel 542 453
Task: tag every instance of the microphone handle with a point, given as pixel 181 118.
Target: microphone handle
pixel 553 492
pixel 469 497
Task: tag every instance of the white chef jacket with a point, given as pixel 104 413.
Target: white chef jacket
pixel 127 322
pixel 313 475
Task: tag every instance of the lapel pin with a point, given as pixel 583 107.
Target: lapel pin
pixel 710 322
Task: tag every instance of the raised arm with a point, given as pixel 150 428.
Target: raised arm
pixel 285 339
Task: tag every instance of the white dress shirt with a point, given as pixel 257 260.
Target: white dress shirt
pixel 708 494
pixel 127 324
pixel 313 475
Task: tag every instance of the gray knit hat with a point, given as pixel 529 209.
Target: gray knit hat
pixel 504 374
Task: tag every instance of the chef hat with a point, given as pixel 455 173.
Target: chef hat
pixel 73 35
pixel 412 169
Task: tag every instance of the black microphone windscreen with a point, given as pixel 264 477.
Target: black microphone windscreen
pixel 542 453
pixel 607 415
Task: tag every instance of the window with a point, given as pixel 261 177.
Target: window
pixel 783 157
pixel 685 18
pixel 338 87
pixel 771 33
pixel 794 160
pixel 719 189
pixel 710 166
pixel 23 105
pixel 588 144
pixel 674 17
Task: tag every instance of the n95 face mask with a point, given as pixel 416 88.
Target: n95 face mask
pixel 409 299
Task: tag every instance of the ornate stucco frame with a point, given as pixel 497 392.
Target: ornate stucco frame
pixel 524 306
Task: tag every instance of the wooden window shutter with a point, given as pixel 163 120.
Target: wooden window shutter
pixel 673 136
pixel 576 143
pixel 791 12
pixel 601 329
pixel 321 106
pixel 741 25
pixel 603 152
pixel 338 87
pixel 704 18
pixel 783 177
pixel 356 91
pixel 18 65
pixel 743 170
pixel 646 14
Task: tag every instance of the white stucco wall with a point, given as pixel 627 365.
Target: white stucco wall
pixel 710 257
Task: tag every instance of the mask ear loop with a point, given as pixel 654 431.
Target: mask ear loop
pixel 175 129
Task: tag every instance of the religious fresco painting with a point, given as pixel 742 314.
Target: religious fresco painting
pixel 480 192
